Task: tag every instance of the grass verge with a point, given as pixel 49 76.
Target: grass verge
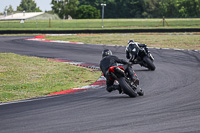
pixel 95 24
pixel 23 77
pixel 152 40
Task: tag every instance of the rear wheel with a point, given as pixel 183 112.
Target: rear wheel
pixel 149 63
pixel 126 88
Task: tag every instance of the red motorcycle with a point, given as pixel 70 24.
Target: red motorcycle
pixel 127 84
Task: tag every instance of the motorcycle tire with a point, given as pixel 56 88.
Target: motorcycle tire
pixel 149 63
pixel 126 88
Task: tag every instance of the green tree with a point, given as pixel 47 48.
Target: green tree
pixel 180 8
pixel 151 8
pixel 168 8
pixel 110 9
pixel 118 8
pixel 126 8
pixel 135 8
pixel 87 11
pixel 147 8
pixel 94 3
pixel 65 7
pixel 28 6
pixel 9 9
pixel 189 8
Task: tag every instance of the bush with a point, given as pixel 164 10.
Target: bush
pixel 87 12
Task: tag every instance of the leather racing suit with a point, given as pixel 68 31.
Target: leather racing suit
pixel 106 63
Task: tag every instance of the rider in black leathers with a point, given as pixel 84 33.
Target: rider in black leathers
pixel 108 60
pixel 128 48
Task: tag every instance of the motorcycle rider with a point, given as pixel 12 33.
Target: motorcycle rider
pixel 108 60
pixel 129 49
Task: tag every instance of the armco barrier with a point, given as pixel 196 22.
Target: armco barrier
pixel 97 31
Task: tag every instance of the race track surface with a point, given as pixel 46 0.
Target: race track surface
pixel 171 103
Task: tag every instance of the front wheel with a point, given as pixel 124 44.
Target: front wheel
pixel 149 63
pixel 126 88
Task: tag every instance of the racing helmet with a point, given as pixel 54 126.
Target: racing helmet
pixel 106 52
pixel 130 41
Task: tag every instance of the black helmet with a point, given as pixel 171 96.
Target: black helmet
pixel 106 52
pixel 130 41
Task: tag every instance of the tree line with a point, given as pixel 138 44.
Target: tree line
pixel 86 9
pixel 131 8
pixel 25 5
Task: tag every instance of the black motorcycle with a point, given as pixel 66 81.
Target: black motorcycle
pixel 142 57
pixel 127 85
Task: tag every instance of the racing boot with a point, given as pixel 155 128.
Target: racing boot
pixel 140 91
pixel 114 87
pixel 117 87
pixel 132 75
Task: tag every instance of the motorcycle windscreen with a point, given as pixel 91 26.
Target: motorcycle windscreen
pixel 134 51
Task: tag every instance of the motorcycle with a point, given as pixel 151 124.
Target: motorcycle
pixel 140 56
pixel 127 85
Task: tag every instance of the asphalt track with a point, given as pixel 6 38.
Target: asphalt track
pixel 171 103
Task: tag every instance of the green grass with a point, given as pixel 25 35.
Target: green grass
pixel 82 24
pixel 152 40
pixel 23 77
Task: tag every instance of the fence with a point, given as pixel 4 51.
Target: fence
pixel 97 23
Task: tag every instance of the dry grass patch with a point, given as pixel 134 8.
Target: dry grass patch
pixel 161 40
